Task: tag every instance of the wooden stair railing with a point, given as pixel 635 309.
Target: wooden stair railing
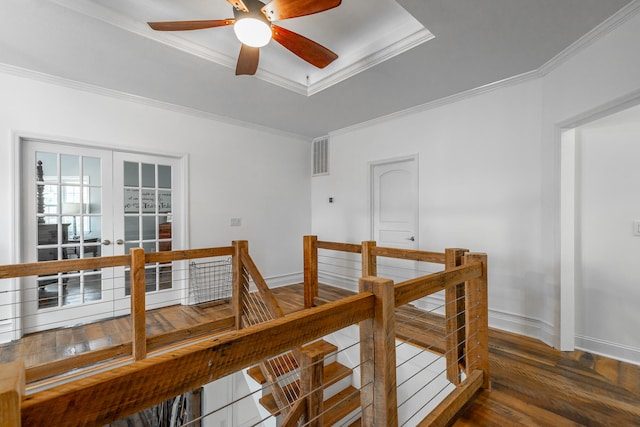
pixel 285 399
pixel 135 386
pixel 319 371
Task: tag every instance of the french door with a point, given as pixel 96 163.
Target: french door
pixel 80 202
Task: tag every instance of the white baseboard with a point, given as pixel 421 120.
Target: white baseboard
pixel 284 279
pixel 338 280
pixel 7 332
pixel 505 321
pixel 522 325
pixel 625 353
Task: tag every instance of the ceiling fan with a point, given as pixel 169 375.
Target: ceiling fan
pixel 252 24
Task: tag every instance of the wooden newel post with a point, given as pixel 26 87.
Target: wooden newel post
pixel 477 320
pixel 12 384
pixel 311 375
pixel 454 310
pixel 138 304
pixel 236 291
pixel 310 270
pixel 369 261
pixel 378 392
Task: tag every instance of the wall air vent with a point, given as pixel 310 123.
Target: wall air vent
pixel 320 153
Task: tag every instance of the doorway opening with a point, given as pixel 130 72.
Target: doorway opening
pixel 600 234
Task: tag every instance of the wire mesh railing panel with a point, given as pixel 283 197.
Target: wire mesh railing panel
pixel 210 280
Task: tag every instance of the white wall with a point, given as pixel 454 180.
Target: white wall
pixel 479 186
pixel 489 173
pixel 607 271
pixel 234 171
pixel 603 75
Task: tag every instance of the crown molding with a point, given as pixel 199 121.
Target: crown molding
pixel 127 97
pixel 409 42
pixel 460 96
pixel 606 27
pixel 603 29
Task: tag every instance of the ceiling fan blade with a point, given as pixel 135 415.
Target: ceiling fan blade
pixel 248 60
pixel 190 25
pixel 310 51
pixel 282 9
pixel 238 4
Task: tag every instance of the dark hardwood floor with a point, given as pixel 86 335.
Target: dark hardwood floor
pixel 532 383
pixel 55 344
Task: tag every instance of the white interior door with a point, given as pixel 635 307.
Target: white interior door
pixel 147 212
pixel 65 194
pixel 394 196
pixel 81 202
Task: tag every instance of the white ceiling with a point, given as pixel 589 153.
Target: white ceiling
pixel 387 62
pixel 364 32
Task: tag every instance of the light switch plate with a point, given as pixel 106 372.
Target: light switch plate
pixel 236 222
pixel 636 228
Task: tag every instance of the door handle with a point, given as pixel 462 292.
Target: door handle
pixel 106 242
pixel 411 238
pixel 120 241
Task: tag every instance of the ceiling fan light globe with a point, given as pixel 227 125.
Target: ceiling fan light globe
pixel 252 32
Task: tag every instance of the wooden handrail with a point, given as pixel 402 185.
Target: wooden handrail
pixel 62 266
pixel 124 390
pixel 409 254
pixel 411 290
pixel 342 247
pixel 111 395
pixel 181 255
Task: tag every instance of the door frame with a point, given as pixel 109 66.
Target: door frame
pixel 565 150
pixel 372 166
pixel 12 329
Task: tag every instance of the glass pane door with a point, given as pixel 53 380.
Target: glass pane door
pixel 82 202
pixel 69 216
pixel 147 187
pixel 64 200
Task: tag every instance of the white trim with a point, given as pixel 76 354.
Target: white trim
pixel 567 238
pixel 604 28
pixel 565 173
pixel 123 96
pixel 15 234
pixel 600 31
pixel 506 321
pixel 412 40
pixel 285 279
pixel 523 325
pixel 409 41
pixel 625 353
pixel 437 103
pixel 342 281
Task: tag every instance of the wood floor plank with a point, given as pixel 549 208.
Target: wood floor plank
pixel 533 384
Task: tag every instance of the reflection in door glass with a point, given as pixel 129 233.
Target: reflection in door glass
pixel 147 217
pixel 69 223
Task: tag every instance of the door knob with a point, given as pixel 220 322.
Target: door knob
pixel 106 242
pixel 120 241
pixel 411 238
